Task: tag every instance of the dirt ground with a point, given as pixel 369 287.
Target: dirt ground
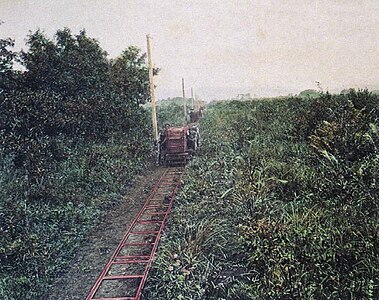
pixel 96 251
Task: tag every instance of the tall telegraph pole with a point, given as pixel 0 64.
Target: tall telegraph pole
pixel 184 101
pixel 152 91
pixel 193 99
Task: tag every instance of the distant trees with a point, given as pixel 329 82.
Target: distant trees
pixel 310 93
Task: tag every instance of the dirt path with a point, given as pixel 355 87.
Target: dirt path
pixel 95 252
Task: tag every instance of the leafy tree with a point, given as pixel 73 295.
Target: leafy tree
pixel 75 65
pixel 8 77
pixel 130 75
pixel 84 64
pixel 70 65
pixel 41 63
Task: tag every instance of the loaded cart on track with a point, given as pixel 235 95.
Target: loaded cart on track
pixel 177 145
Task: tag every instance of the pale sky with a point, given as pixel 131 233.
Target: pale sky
pixel 224 47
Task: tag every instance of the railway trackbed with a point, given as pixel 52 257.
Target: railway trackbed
pixel 125 274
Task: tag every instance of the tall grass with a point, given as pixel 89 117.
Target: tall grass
pixel 292 190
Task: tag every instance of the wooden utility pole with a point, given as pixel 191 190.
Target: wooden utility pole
pixel 152 91
pixel 184 101
pixel 193 99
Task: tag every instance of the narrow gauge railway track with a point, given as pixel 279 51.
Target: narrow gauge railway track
pixel 125 274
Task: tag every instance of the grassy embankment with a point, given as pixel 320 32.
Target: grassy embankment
pixel 282 203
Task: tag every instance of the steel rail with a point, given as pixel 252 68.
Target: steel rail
pixel 165 190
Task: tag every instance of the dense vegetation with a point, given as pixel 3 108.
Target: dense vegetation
pixel 72 133
pixel 282 203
